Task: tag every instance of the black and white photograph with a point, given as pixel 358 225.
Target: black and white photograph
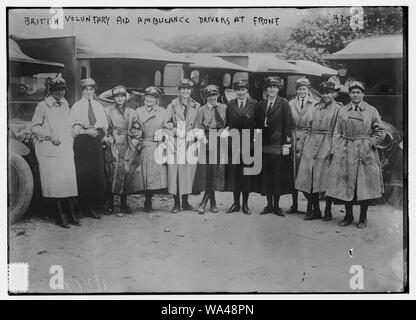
pixel 207 150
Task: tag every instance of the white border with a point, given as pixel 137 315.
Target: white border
pixel 211 3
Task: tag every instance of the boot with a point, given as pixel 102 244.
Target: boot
pixel 177 206
pixel 73 219
pixel 294 207
pixel 362 223
pixel 110 206
pixel 202 205
pixel 148 203
pixel 276 209
pixel 269 207
pixel 349 217
pixel 185 203
pixel 236 205
pixel 124 208
pixel 213 203
pixel 245 207
pixel 316 210
pixel 61 219
pixel 328 213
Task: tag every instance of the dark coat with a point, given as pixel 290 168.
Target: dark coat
pixel 276 176
pixel 246 118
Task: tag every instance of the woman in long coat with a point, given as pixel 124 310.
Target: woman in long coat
pixel 152 176
pixel 355 173
pixel 241 114
pixel 210 177
pixel 302 107
pixel 90 125
pixel 181 115
pixel 276 177
pixel 51 126
pixel 313 168
pixel 122 140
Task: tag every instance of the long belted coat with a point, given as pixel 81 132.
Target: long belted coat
pixel 314 166
pixel 276 122
pixel 355 169
pixel 239 119
pixel 300 126
pixel 122 145
pixel 181 175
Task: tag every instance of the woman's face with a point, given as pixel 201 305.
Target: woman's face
pixel 212 99
pixel 342 72
pixel 303 91
pixel 120 99
pixel 241 93
pixel 356 96
pixel 272 91
pixel 58 94
pixel 88 93
pixel 185 92
pixel 327 97
pixel 149 101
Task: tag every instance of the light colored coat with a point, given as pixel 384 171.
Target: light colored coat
pixel 313 168
pixel 301 121
pixel 356 165
pixel 181 176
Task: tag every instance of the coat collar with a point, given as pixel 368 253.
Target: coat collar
pixel 52 102
pixel 362 106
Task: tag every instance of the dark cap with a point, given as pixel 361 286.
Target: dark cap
pixel 341 65
pixel 185 83
pixel 119 91
pixel 327 86
pixel 57 83
pixel 356 85
pixel 88 82
pixel 152 91
pixel 272 81
pixel 240 84
pixel 303 82
pixel 211 90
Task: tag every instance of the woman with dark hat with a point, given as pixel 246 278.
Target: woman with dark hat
pixel 355 174
pixel 181 116
pixel 341 81
pixel 210 177
pixel 51 126
pixel 122 140
pixel 313 168
pixel 90 124
pixel 241 114
pixel 152 176
pixel 276 177
pixel 302 107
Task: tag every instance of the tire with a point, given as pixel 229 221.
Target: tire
pixel 20 187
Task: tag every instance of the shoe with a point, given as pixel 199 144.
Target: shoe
pixel 362 224
pixel 327 216
pixel 313 216
pixel 118 214
pixel 95 214
pixel 126 210
pixel 74 220
pixel 176 208
pixel 266 210
pixel 148 207
pixel 293 209
pixel 213 209
pixel 279 212
pixel 234 208
pixel 246 210
pixel 63 224
pixel 186 206
pixel 201 210
pixel 345 222
pixel 108 211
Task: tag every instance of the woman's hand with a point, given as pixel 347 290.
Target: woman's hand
pixel 92 132
pixel 54 139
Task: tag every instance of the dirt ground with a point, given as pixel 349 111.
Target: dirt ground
pixel 214 252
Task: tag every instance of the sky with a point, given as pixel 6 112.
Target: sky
pixel 26 22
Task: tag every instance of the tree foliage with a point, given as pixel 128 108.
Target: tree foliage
pixel 329 30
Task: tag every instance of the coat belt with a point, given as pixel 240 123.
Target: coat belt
pixel 322 131
pixel 358 137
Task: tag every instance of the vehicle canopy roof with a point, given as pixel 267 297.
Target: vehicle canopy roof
pixel 314 67
pixel 210 61
pixel 381 47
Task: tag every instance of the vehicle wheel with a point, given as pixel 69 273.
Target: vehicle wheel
pixel 20 191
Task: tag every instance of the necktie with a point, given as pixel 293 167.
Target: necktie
pixel 269 107
pixel 301 106
pixel 91 116
pixel 218 119
pixel 356 107
pixel 241 105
